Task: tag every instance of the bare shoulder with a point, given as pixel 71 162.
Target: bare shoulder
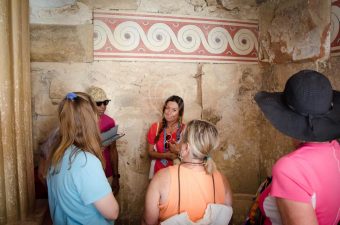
pixel 162 183
pixel 161 178
pixel 227 188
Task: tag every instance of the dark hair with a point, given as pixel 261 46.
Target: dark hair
pixel 180 103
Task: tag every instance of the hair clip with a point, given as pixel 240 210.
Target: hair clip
pixel 206 157
pixel 71 96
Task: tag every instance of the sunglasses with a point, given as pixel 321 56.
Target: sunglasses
pixel 167 140
pixel 106 102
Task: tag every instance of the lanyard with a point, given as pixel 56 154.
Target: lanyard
pixel 178 135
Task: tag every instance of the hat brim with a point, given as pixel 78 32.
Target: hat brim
pixel 287 121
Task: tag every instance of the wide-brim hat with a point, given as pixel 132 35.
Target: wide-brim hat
pixel 308 109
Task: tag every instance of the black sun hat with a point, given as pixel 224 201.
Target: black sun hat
pixel 308 109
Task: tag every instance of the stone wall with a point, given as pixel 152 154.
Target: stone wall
pixel 289 42
pixel 294 31
pixel 294 35
pixel 61 57
pixel 136 102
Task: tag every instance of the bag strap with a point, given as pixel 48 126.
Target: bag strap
pixel 213 180
pixel 179 190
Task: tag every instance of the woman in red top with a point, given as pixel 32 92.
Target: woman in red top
pixel 163 136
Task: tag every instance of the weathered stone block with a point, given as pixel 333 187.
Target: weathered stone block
pixel 60 43
pixel 42 126
pixel 288 36
pixel 43 105
pixel 59 12
pixel 333 72
pixel 228 92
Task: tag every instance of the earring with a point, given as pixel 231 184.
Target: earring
pixel 180 155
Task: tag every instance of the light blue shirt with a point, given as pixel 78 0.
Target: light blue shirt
pixel 72 192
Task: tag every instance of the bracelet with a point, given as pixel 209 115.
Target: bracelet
pixel 116 176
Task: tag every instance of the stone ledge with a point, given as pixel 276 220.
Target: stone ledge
pixel 241 205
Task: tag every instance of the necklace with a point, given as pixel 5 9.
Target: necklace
pixel 193 163
pixel 178 134
pixel 172 128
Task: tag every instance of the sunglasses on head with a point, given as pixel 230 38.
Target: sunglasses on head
pixel 106 102
pixel 167 140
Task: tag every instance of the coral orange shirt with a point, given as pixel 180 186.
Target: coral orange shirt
pixel 196 193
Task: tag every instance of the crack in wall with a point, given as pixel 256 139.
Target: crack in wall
pixel 198 77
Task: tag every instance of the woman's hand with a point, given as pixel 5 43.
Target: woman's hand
pixel 170 155
pixel 174 147
pixel 161 155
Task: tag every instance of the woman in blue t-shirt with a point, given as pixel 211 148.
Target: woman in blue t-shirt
pixel 78 191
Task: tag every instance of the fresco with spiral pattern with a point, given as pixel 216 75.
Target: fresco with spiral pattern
pixel 157 37
pixel 335 35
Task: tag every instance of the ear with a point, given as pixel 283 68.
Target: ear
pixel 185 149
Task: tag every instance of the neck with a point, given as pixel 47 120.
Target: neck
pixel 172 124
pixel 192 161
pixel 193 165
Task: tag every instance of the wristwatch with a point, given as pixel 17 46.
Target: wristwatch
pixel 116 176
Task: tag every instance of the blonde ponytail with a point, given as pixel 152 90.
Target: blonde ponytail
pixel 209 165
pixel 202 137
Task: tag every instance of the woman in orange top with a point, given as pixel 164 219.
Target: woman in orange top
pixel 191 190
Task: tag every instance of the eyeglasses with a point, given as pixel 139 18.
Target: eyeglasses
pixel 106 102
pixel 167 140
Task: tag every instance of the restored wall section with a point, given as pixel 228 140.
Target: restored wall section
pixel 294 35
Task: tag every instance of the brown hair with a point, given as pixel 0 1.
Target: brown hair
pixel 202 138
pixel 78 124
pixel 180 103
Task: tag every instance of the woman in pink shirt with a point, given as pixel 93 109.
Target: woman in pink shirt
pixel 305 188
pixel 110 152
